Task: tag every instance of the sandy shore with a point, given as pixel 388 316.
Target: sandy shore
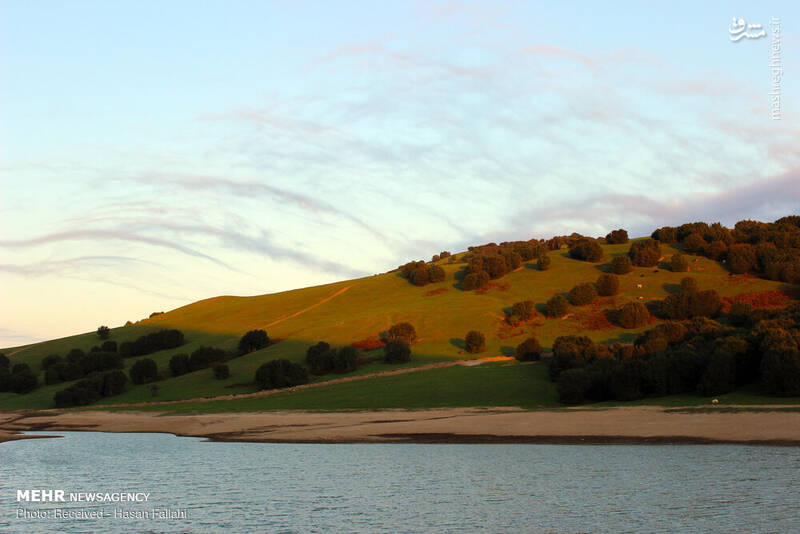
pixel 640 424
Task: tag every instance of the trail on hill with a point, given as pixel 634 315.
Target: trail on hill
pixel 268 392
pixel 318 303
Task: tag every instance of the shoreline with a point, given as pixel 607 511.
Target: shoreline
pixel 637 425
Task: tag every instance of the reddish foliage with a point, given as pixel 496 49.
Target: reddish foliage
pixel 505 286
pixel 778 298
pixel 594 319
pixel 368 344
pixel 435 292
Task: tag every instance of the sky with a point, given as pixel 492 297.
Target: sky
pixel 157 153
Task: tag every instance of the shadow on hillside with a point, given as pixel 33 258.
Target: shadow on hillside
pixel 626 337
pixel 540 307
pixel 459 278
pixel 508 351
pixel 604 267
pixel 533 266
pixel 458 343
pixel 672 289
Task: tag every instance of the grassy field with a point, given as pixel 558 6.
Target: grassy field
pixel 357 310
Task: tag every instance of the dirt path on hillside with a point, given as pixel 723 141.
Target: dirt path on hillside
pixel 635 424
pixel 268 392
pixel 319 303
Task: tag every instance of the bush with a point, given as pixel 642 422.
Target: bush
pixel 404 332
pixel 543 263
pixel 666 234
pixel 109 346
pixel 143 371
pixel 780 363
pixel 556 306
pixel 280 373
pixel 586 250
pixel 23 381
pixel 153 342
pixel 346 360
pixel 573 386
pixel 529 350
pixel 645 253
pixel 694 243
pixel 252 341
pixel 51 360
pixel 419 276
pixel 570 352
pixel 75 355
pixel 476 342
pixel 704 303
pixel 716 249
pixel 114 383
pixel 205 356
pixel 109 360
pixel 20 368
pixel 475 280
pixel 319 358
pixel 5 379
pixel 621 265
pixel 221 371
pixel 396 352
pixel 582 294
pixel 617 237
pixel 678 263
pixel 524 310
pixel 103 332
pixel 633 315
pixel 741 258
pixel 436 274
pixel 607 285
pixel 179 364
pixel 5 363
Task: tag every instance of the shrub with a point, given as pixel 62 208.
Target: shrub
pixel 114 383
pixel 436 274
pixel 705 303
pixel 543 263
pixel 476 342
pixel 404 332
pixel 419 276
pixel 221 371
pixel 280 373
pixel 20 368
pixel 524 310
pixel 51 360
pixel 345 360
pixel 252 341
pixel 475 280
pixel 573 386
pixel 23 381
pixel 570 352
pixel 143 371
pixel 621 265
pixel 780 364
pixel 75 355
pixel 678 263
pixel 645 253
pixel 179 364
pixel 633 315
pixel 109 346
pixel 5 379
pixel 396 352
pixel 109 360
pixel 694 243
pixel 582 294
pixel 153 342
pixel 319 358
pixel 529 350
pixel 716 249
pixel 103 332
pixel 617 237
pixel 586 250
pixel 741 258
pixel 666 234
pixel 607 285
pixel 556 306
pixel 205 356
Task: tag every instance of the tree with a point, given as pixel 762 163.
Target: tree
pixel 419 276
pixel 114 383
pixel 345 360
pixel 404 332
pixel 280 373
pixel 475 280
pixel 556 306
pixel 23 381
pixel 109 346
pixel 103 332
pixel 496 266
pixel 645 253
pixel 666 234
pixel 586 250
pixel 179 364
pixel 396 352
pixel 607 285
pixel 678 263
pixel 475 341
pixel 143 371
pixel 573 386
pixel 544 262
pixel 704 303
pixel 253 340
pixel 524 310
pixel 529 350
pixel 436 274
pixel 202 357
pixel 582 294
pixel 4 361
pixel 740 313
pixel 50 360
pixel 617 237
pixel 220 371
pixel 570 352
pixel 689 285
pixel 320 358
pixel 741 258
pixel 633 315
pixel 621 265
pixel 694 243
pixel 780 364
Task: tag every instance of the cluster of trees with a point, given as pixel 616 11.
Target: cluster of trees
pixel 252 341
pixel 201 358
pixel 491 261
pixel 91 389
pixel 645 253
pixel 17 377
pixel 280 373
pixel 770 250
pixel 691 302
pixel 442 255
pixel 587 250
pixel 322 359
pixel 78 364
pixel 695 356
pixel 582 294
pixel 420 273
pixel 617 237
pixel 150 343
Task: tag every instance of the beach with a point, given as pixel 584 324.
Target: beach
pixel 635 424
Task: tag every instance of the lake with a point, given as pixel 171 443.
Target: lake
pixel 199 486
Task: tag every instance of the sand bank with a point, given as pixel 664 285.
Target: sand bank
pixel 640 424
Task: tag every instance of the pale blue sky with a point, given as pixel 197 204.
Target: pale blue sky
pixel 156 153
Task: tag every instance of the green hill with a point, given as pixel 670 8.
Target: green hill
pixel 357 311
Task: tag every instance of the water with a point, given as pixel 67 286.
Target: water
pixel 262 487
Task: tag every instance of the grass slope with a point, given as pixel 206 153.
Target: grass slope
pixel 354 310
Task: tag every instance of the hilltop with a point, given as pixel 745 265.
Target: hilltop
pixel 357 312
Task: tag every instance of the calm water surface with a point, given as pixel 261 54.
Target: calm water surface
pixel 262 487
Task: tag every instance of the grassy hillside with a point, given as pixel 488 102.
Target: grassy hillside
pixel 358 310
